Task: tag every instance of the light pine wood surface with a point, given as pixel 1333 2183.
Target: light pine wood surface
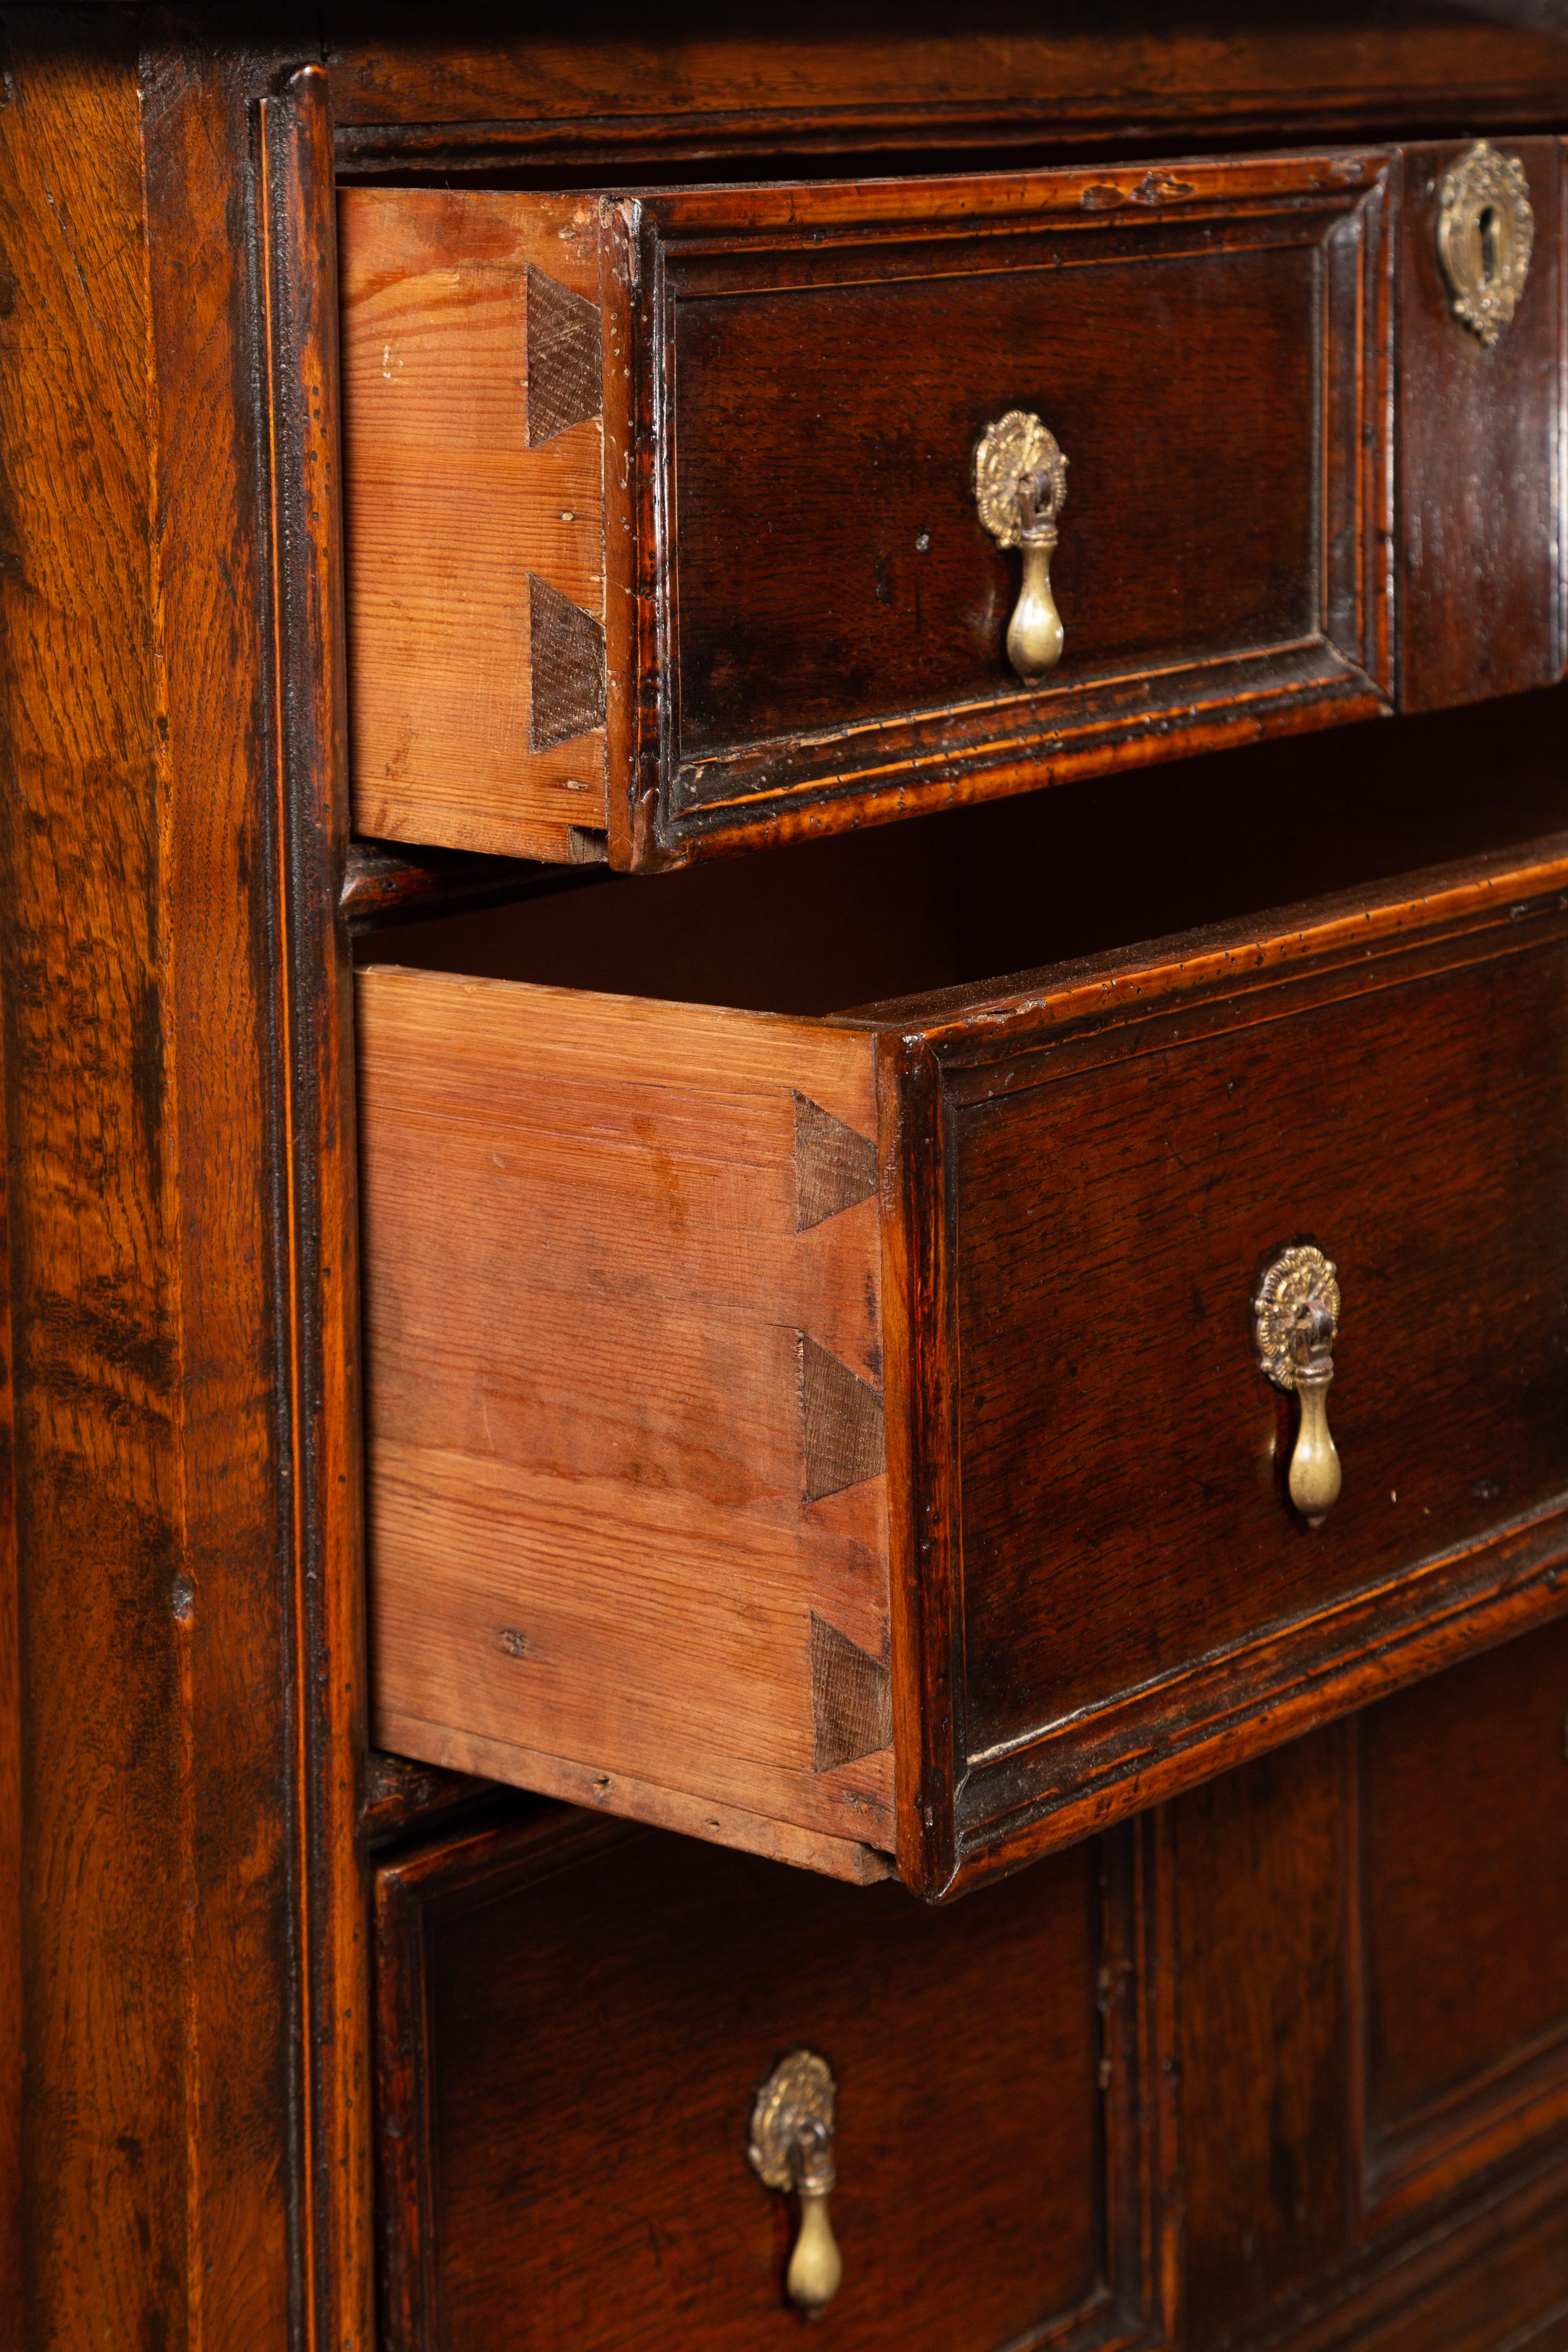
pixel 618 1571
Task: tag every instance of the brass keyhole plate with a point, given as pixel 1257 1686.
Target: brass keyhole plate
pixel 1484 233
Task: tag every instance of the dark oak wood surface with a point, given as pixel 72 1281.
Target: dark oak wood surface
pixel 573 2016
pixel 184 2035
pixel 482 94
pixel 1479 458
pixel 1261 1864
pixel 824 566
pixel 192 2113
pixel 98 1395
pixel 575 2021
pixel 1464 1958
pixel 1414 1137
pixel 987 1343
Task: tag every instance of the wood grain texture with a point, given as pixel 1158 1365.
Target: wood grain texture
pixel 475 518
pixel 834 1168
pixel 385 885
pixel 104 1814
pixel 624 1794
pixel 1462 1970
pixel 13 2023
pixel 1004 1371
pixel 1479 458
pixel 1280 1901
pixel 859 78
pixel 405 1800
pixel 850 1701
pixel 519 1963
pixel 841 1437
pixel 325 1666
pixel 1087 1611
pixel 1262 1857
pixel 188 2164
pixel 618 1570
pixel 805 619
pixel 573 2021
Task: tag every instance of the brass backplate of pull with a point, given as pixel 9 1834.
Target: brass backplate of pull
pixel 791 2149
pixel 1296 1318
pixel 1020 489
pixel 1485 232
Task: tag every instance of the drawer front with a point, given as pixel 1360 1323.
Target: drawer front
pixel 1373 1980
pixel 575 2021
pixel 775 470
pixel 1098 1466
pixel 724 1477
pixel 1480 481
pixel 1460 1977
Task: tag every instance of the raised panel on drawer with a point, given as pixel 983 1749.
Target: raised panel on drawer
pixel 575 2020
pixel 1093 1489
pixel 747 555
pixel 1462 1969
pixel 724 1474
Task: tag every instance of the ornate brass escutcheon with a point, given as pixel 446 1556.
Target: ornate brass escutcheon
pixel 792 2148
pixel 1485 232
pixel 1295 1316
pixel 1020 488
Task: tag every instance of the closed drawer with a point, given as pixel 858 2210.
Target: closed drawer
pixel 847 1437
pixel 663 530
pixel 1459 1982
pixel 574 2022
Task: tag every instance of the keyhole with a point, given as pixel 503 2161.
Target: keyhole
pixel 1486 230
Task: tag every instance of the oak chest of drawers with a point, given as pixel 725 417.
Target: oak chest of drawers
pixel 781 1521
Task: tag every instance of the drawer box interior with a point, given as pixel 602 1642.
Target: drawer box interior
pixel 842 1435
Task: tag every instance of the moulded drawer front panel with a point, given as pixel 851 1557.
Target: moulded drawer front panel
pixel 661 510
pixel 1460 1981
pixel 839 576
pixel 847 1439
pixel 575 2020
pixel 1113 1451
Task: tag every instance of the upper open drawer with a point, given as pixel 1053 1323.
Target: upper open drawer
pixel 904 1431
pixel 663 512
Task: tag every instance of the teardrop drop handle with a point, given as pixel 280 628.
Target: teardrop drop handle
pixel 815 2267
pixel 792 2148
pixel 1020 488
pixel 1314 1461
pixel 1035 633
pixel 1296 1321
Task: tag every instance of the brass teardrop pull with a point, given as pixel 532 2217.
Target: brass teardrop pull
pixel 1020 489
pixel 791 2149
pixel 1296 1317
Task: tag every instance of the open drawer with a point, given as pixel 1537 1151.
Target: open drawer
pixel 665 530
pixel 846 1438
pixel 664 524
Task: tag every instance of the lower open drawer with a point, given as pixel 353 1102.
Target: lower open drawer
pixel 846 1438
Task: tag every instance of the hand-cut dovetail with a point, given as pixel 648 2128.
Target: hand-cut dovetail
pixel 565 379
pixel 851 1699
pixel 835 1168
pixel 843 1439
pixel 567 668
